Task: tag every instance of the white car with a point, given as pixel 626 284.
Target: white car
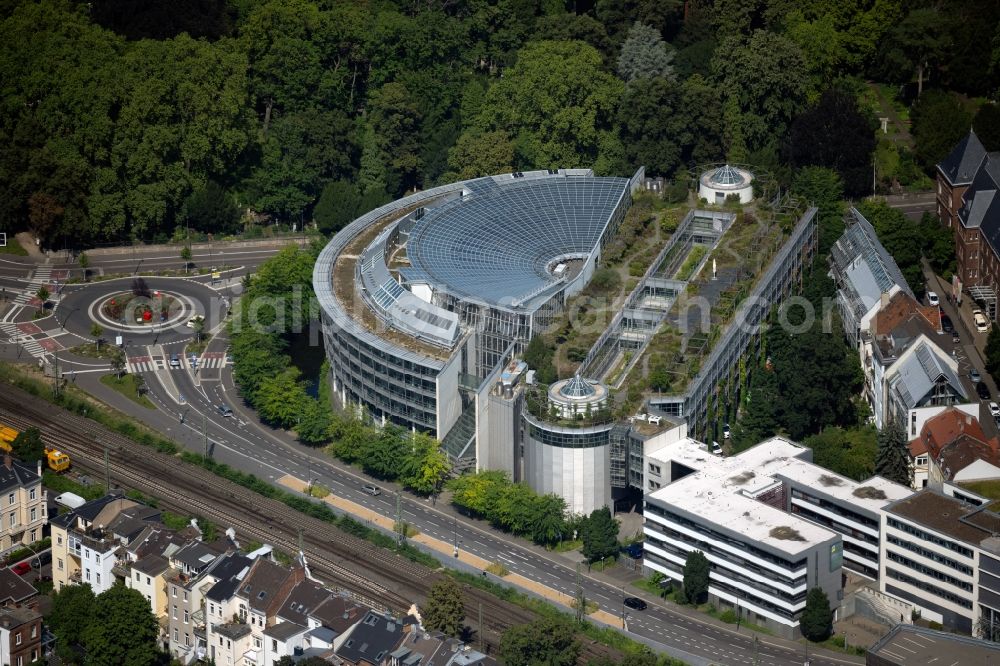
pixel 932 298
pixel 994 409
pixel 982 325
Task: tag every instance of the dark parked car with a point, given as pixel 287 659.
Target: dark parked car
pixel 946 324
pixel 983 390
pixel 634 551
pixel 635 603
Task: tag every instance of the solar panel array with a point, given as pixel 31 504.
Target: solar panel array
pixel 495 244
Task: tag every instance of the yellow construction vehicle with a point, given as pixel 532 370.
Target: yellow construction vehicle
pixel 7 435
pixel 56 459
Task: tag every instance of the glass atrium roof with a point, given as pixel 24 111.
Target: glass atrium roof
pixel 726 175
pixel 577 388
pixel 495 244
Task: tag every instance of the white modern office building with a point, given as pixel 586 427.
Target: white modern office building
pixel 942 555
pixel 772 524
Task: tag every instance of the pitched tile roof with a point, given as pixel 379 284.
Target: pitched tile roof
pixel 338 613
pixel 959 167
pixel 17 475
pixel 13 588
pixel 955 440
pixel 267 585
pixel 302 600
pixel 230 571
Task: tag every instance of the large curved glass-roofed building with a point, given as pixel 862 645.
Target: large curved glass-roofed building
pixel 427 300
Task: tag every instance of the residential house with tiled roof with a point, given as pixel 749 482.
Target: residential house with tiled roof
pixel 87 545
pixel 952 448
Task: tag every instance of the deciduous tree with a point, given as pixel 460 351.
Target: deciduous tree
pixel 600 535
pixel 121 630
pixel 987 125
pixel 557 101
pixel 834 133
pixel 72 612
pixel 28 445
pixel 444 610
pixel 939 122
pixel 764 82
pixel 548 641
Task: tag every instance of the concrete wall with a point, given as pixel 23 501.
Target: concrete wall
pixel 581 476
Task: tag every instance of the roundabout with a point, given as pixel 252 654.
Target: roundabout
pixel 145 310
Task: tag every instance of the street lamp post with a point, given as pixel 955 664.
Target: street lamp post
pixel 623 607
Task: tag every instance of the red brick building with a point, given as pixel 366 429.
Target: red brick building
pixel 20 636
pixel 955 175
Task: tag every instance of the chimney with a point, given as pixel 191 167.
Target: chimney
pixel 39 468
pixel 8 462
pixel 884 301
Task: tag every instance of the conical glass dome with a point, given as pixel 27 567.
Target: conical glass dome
pixel 577 388
pixel 726 175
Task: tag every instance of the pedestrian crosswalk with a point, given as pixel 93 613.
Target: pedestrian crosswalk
pixel 41 275
pixel 136 364
pixel 13 333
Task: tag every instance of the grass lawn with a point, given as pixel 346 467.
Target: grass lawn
pixel 127 387
pixel 989 489
pixel 13 247
pixel 90 350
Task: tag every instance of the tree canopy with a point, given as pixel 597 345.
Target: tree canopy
pixel 892 459
pixel 696 577
pixel 817 618
pixel 444 610
pixel 600 535
pixel 28 446
pixel 548 641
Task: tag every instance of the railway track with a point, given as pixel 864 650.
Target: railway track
pixel 372 575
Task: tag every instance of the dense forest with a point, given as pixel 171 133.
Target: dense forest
pixel 142 120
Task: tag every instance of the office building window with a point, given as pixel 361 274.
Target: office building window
pixel 86 574
pixel 175 613
pixel 176 636
pixel 274 645
pixel 59 540
pixel 173 591
pixel 10 498
pixel 185 595
pixel 31 494
pixel 137 577
pixel 147 580
pixel 187 639
pixel 34 534
pixel 20 660
pixel 98 578
pixel 17 638
pixel 34 514
pixel 13 519
pixel 59 563
pixel 34 631
pixel 186 617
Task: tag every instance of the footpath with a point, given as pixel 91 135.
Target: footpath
pixel 447 549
